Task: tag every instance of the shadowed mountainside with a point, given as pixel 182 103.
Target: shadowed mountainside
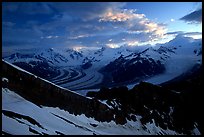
pixel 41 92
pixel 174 105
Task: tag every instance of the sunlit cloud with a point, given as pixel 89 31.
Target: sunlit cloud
pixel 123 15
pixel 80 36
pixel 156 29
pixel 81 47
pixel 172 20
pixel 112 45
pixel 132 43
pixel 49 37
pixel 77 48
pixel 134 22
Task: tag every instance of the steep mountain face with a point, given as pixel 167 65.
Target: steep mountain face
pixel 137 65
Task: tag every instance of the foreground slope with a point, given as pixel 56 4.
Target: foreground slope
pixel 21 117
pixel 31 111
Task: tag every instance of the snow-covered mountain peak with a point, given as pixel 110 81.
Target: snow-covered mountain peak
pixel 150 52
pixel 181 41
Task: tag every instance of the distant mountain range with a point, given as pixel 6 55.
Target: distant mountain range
pixel 111 67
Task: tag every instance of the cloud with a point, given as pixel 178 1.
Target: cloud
pixel 174 33
pixel 112 45
pixel 183 33
pixel 123 15
pixel 9 6
pixel 85 10
pixel 194 35
pixel 172 20
pixel 132 43
pixel 116 27
pixel 193 17
pixel 134 22
pixel 8 24
pixel 85 23
pixel 27 37
pixel 19 38
pixel 49 37
pixel 68 24
pixel 31 8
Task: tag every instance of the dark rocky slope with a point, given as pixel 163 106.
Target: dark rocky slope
pixel 174 105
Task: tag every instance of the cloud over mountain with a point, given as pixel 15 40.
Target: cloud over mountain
pixel 78 23
pixel 193 17
pixel 70 24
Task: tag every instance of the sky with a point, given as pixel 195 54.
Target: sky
pixel 27 25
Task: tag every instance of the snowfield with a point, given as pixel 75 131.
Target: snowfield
pixel 21 117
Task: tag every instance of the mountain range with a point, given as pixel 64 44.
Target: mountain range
pixel 91 69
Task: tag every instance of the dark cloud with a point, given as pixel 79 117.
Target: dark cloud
pixel 77 10
pixel 193 17
pixel 183 33
pixel 67 24
pixel 28 7
pixel 193 33
pixel 85 10
pixel 174 32
pixel 9 6
pixel 8 24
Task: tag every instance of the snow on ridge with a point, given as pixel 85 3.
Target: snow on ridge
pixel 5 80
pixel 41 78
pixel 18 67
